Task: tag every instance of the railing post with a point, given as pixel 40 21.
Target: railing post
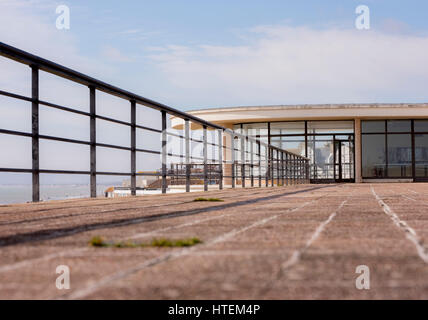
pixel 251 162
pixel 93 141
pixel 242 162
pixel 205 158
pixel 133 149
pixel 282 168
pixel 302 171
pixel 164 142
pixel 220 158
pixel 35 133
pixel 187 146
pixel 267 171
pixel 272 168
pixel 259 155
pixel 307 172
pixel 233 160
pixel 277 168
pixel 294 170
pixel 287 174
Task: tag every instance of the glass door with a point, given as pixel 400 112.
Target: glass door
pixel 343 160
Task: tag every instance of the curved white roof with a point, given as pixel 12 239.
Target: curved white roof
pixel 230 115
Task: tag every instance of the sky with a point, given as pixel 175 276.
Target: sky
pixel 202 54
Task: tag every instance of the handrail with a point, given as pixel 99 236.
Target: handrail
pixel 298 170
pixel 70 74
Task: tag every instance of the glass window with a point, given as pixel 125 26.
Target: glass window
pixel 399 155
pixel 292 144
pixel 287 127
pixel 255 129
pixel 373 156
pixel 399 125
pixel 421 155
pixel 237 128
pixel 350 137
pixel 421 125
pixel 330 127
pixel 321 154
pixel 373 126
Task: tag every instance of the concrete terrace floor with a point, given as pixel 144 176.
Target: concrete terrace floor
pixel 296 242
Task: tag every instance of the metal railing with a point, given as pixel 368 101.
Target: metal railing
pixel 236 160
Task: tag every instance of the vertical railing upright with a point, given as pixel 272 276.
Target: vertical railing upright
pixel 204 128
pixel 35 133
pixel 133 148
pixel 278 175
pixel 251 162
pixel 187 155
pixel 287 174
pixel 267 166
pixel 220 158
pixel 272 175
pixel 294 170
pixel 164 155
pixel 260 163
pixel 282 169
pixel 307 171
pixel 93 141
pixel 233 160
pixel 242 162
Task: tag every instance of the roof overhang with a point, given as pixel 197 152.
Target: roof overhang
pixel 224 116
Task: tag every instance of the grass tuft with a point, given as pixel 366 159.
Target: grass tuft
pixel 162 242
pixel 209 199
pixel 175 243
pixel 98 242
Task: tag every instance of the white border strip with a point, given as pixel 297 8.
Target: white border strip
pixel 410 233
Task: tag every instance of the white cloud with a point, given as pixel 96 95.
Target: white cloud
pixel 286 65
pixel 115 55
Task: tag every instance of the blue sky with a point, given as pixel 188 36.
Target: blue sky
pixel 166 50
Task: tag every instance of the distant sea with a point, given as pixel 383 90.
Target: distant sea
pixel 22 193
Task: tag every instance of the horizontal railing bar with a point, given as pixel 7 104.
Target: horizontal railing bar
pixel 16 133
pixel 147 128
pixel 17 170
pixel 107 173
pixel 57 106
pixel 64 171
pixel 147 151
pixel 45 137
pixel 15 96
pixel 148 174
pixel 112 146
pixel 113 120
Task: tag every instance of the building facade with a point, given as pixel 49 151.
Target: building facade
pixel 346 142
